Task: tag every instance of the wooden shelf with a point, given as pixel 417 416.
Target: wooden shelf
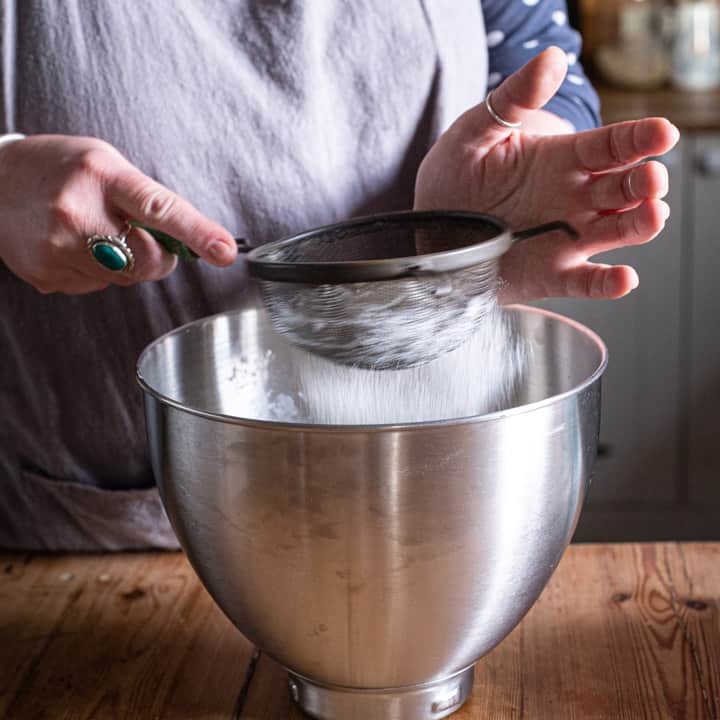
pixel 688 110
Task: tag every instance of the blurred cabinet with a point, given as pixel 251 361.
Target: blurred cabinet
pixel 658 471
pixel 703 365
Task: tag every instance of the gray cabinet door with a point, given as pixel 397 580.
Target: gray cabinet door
pixel 701 352
pixel 640 426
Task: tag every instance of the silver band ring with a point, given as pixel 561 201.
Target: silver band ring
pixel 499 120
pixel 112 251
pixel 629 194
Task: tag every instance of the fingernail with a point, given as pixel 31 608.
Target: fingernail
pixel 220 252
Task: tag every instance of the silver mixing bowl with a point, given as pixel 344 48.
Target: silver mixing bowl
pixel 375 563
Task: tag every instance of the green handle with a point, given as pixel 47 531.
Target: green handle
pixel 169 243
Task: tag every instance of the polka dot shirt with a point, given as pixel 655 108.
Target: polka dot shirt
pixel 519 29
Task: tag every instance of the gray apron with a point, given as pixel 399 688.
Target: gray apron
pixel 270 117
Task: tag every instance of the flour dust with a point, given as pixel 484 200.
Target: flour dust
pixel 385 325
pixel 295 386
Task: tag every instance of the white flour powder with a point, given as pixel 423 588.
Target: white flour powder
pixel 385 324
pixel 476 378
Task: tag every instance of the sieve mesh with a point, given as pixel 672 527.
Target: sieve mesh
pixel 413 316
pixel 386 291
pixel 384 324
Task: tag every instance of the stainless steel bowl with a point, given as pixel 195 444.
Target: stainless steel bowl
pixel 375 563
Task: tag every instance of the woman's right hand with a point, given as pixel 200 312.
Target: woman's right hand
pixel 58 190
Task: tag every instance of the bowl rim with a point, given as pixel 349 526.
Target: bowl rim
pixel 289 426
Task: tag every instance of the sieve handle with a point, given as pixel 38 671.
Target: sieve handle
pixel 546 228
pixel 175 247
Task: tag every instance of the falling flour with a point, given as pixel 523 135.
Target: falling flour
pixel 478 377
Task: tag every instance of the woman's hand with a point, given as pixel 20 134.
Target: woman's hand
pixel 589 179
pixel 56 191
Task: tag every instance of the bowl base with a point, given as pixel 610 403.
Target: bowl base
pixel 430 701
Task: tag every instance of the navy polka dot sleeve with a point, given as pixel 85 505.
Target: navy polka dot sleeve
pixel 519 29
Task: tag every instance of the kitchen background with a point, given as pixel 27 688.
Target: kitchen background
pixel 658 472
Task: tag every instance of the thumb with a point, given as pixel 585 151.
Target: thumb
pixel 525 91
pixel 146 201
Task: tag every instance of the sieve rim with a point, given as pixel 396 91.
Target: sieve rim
pixel 387 268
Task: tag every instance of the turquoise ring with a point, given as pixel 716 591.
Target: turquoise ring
pixel 112 251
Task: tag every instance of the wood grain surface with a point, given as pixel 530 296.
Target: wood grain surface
pixel 621 631
pixel 115 636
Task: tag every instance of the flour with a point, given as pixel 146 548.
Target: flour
pixel 476 378
pixel 385 325
pixel 295 386
pixel 249 391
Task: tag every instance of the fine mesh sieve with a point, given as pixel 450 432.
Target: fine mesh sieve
pixel 387 291
pixel 383 291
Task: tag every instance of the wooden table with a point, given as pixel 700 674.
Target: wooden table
pixel 621 631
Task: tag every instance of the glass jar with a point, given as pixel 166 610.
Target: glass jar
pixel 636 56
pixel 696 45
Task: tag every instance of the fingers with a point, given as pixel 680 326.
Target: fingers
pixel 629 188
pixel 151 262
pixel 519 95
pixel 597 281
pixel 532 86
pixel 86 275
pixel 620 144
pixel 633 227
pixel 141 198
pixel 537 268
pixel 584 280
pixel 63 190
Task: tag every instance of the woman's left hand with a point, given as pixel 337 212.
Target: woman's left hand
pixel 595 180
